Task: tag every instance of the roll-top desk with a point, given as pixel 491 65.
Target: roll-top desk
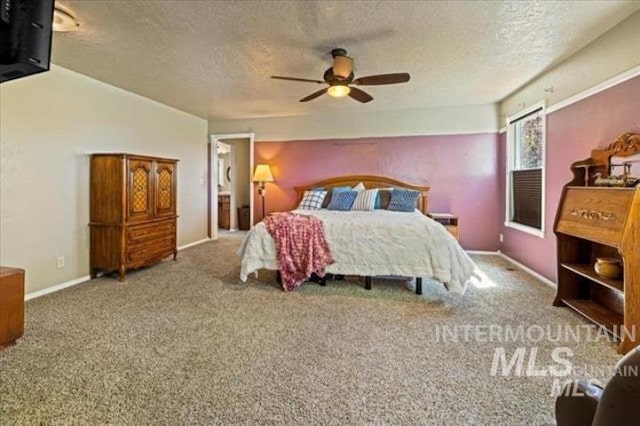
pixel 595 221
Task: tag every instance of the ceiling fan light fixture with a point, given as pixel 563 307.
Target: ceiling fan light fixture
pixel 339 91
pixel 64 20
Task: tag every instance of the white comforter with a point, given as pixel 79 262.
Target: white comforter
pixel 375 243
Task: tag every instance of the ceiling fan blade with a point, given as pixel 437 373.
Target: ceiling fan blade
pixel 314 95
pixel 360 95
pixel 342 66
pixel 378 80
pixel 304 80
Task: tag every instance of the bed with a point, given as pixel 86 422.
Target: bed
pixel 374 243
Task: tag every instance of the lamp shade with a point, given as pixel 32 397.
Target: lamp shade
pixel 262 173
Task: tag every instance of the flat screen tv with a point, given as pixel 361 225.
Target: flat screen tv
pixel 25 37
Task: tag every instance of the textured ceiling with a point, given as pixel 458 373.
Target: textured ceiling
pixel 214 58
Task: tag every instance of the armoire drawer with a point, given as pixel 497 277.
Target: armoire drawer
pixel 150 232
pixel 153 250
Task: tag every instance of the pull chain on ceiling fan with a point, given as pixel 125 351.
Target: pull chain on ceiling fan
pixel 340 79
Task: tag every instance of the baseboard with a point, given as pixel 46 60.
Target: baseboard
pixel 86 278
pixel 195 243
pixel 514 262
pixel 57 287
pixel 528 270
pixel 483 252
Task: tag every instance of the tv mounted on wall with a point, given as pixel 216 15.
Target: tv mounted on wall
pixel 25 37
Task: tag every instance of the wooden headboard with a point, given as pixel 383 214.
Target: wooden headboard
pixel 369 181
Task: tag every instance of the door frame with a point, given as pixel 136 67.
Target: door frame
pixel 212 190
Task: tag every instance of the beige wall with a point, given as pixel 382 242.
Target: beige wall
pixel 613 53
pixel 425 121
pixel 49 124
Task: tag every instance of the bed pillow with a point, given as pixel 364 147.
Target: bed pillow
pixel 312 200
pixel 403 200
pixel 383 198
pixel 359 187
pixel 365 200
pixel 342 200
pixel 341 189
pixel 330 193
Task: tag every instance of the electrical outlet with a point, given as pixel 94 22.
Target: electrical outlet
pixel 60 262
pixel 501 238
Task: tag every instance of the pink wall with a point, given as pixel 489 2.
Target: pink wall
pixel 572 132
pixel 461 170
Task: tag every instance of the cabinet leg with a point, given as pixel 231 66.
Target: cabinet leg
pixel 367 283
pixel 94 273
pixel 123 271
pixel 627 344
pixel 175 255
pixel 418 285
pixel 7 345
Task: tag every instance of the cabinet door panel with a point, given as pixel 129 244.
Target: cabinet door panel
pixel 165 185
pixel 140 185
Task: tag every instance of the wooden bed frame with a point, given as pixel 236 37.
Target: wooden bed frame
pixel 369 181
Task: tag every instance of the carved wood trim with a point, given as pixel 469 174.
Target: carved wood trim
pixel 593 214
pixel 624 145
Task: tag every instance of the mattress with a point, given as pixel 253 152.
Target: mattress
pixel 375 243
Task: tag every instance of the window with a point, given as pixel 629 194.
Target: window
pixel 525 170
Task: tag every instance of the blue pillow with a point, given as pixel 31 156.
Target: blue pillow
pixel 403 200
pixel 337 189
pixel 330 193
pixel 342 200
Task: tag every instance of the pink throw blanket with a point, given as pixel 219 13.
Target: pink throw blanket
pixel 301 246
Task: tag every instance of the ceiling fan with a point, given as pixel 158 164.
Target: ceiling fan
pixel 340 80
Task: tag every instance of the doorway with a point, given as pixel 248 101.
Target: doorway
pixel 230 187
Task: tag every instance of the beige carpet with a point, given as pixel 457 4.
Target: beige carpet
pixel 186 343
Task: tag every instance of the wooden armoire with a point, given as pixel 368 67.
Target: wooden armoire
pixel 133 211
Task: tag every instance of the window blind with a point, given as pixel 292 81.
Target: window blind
pixel 527 197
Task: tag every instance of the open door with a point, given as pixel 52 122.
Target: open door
pixel 240 179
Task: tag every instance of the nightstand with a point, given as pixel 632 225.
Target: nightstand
pixel 449 221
